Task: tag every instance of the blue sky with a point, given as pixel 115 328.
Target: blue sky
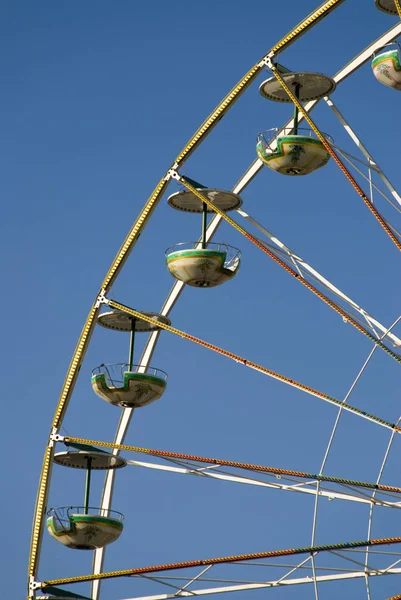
pixel 97 100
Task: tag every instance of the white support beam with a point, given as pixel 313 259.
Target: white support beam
pixel 300 487
pixel 304 266
pixel 371 161
pixel 270 584
pixel 172 298
pixel 127 413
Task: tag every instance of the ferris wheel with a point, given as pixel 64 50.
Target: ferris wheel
pixel 294 150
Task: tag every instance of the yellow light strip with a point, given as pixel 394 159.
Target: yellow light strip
pixel 133 235
pixel 222 560
pixel 123 254
pixel 235 464
pixel 315 16
pixel 39 509
pixel 233 95
pixel 252 365
pixel 69 382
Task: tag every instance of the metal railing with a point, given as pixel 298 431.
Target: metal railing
pixel 232 253
pixel 271 135
pixel 387 47
pixel 115 372
pixel 63 513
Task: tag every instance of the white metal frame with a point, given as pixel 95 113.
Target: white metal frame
pixel 270 584
pixel 178 287
pixel 303 487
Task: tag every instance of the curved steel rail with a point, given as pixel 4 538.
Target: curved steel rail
pixel 122 256
pixel 177 288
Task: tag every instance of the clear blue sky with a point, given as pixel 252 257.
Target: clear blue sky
pixel 97 99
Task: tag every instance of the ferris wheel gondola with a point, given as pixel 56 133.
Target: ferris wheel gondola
pixel 204 264
pixel 125 384
pixel 291 150
pixel 85 527
pixel 386 66
pixel 295 151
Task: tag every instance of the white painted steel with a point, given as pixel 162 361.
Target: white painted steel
pixel 126 415
pixel 372 162
pixel 270 584
pixel 370 520
pixel 175 292
pixel 372 185
pixel 326 455
pixel 317 276
pixel 298 487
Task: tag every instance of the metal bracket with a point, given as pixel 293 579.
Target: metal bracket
pixel 266 60
pixel 174 175
pixel 170 171
pixel 263 62
pixel 101 299
pixel 56 437
pixel 269 62
pixel 34 585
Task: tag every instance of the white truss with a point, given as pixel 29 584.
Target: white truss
pixel 252 171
